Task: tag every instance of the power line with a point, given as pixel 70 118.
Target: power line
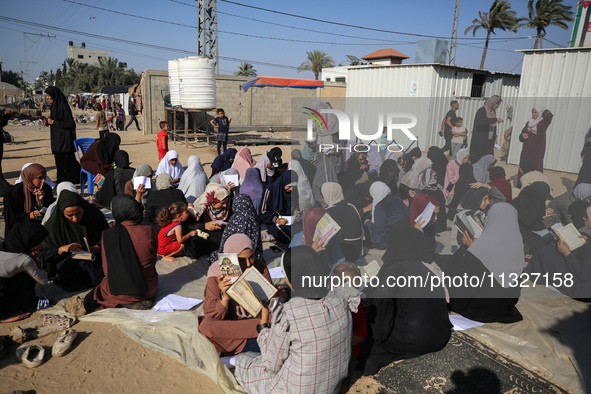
pixel 229 32
pixel 552 42
pixel 344 24
pixel 135 43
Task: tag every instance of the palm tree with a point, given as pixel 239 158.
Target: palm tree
pixel 546 13
pixel 500 16
pixel 12 78
pixel 317 60
pixel 246 70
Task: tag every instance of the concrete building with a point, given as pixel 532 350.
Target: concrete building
pixel 385 57
pixel 86 55
pixel 335 74
pixel 10 94
pixel 559 79
pixel 258 107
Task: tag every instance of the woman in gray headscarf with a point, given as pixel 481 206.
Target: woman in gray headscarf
pixel 561 204
pixel 497 255
pixel 141 194
pixel 415 177
pixel 325 172
pixel 484 131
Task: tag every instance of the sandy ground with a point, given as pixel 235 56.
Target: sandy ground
pixel 104 359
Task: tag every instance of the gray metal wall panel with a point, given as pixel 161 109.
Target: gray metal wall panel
pixel 561 80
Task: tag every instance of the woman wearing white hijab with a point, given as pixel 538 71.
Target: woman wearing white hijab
pixel 413 178
pixel 61 187
pixel 170 164
pixel 306 198
pixel 194 180
pixel 533 136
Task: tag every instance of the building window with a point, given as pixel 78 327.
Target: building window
pixel 340 79
pixel 80 56
pixel 328 79
pixel 478 85
pixel 100 57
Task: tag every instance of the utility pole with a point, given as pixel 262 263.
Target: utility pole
pixel 454 35
pixel 207 31
pixel 26 61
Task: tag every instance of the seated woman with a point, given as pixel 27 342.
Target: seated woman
pixel 278 202
pixel 141 194
pixel 60 188
pixel 243 161
pixel 330 253
pixel 498 180
pixel 25 201
pixel 308 168
pixel 452 172
pixel 224 161
pixel 170 165
pixel 464 183
pixel 390 175
pixel 115 180
pixel 306 345
pixel 244 220
pixel 386 210
pixel 498 254
pixel 194 180
pixel 531 209
pixel 481 168
pixel 305 194
pixel 350 236
pixel 227 325
pixel 162 198
pixel 128 260
pixel 409 321
pixel 100 155
pixel 417 206
pixel 48 180
pixel 561 204
pixel 74 226
pixel 253 187
pixel 18 269
pixel 416 175
pixel 429 185
pixel 353 174
pixel 267 165
pixel 212 211
pixel 557 260
pixel 409 158
pixel 440 162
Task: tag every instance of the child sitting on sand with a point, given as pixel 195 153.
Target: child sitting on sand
pixel 170 238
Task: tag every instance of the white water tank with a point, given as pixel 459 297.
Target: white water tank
pixel 196 82
pixel 173 82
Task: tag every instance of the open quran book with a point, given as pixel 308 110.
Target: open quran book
pixel 569 235
pixel 250 289
pixel 469 223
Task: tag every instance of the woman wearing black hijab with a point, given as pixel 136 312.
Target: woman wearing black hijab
pixel 531 208
pixel 73 223
pixel 440 162
pixel 116 179
pixel 63 134
pixel 100 155
pixel 390 175
pixel 410 157
pixel 128 259
pixel 462 186
pixel 18 269
pixel 409 321
pixel 353 174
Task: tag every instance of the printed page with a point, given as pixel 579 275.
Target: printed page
pixel 244 295
pixel 142 180
pixel 426 214
pixel 230 266
pixel 261 286
pixel 325 230
pixel 570 235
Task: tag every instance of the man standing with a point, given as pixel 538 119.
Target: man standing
pixel 132 114
pixel 447 124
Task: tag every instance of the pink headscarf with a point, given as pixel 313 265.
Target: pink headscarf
pixel 311 218
pixel 234 244
pixel 243 161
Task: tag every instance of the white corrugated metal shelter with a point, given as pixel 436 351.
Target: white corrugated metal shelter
pixel 560 79
pixel 426 90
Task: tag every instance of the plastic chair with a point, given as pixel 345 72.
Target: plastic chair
pixel 81 145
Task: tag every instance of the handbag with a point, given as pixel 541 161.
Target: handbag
pixel 6 137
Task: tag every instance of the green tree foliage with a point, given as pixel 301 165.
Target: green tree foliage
pixel 82 77
pixel 13 78
pixel 545 13
pixel 500 16
pixel 317 60
pixel 246 70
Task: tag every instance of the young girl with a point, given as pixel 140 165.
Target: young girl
pixel 101 121
pixel 170 238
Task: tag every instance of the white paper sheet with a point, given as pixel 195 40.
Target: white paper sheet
pixel 231 178
pixel 426 214
pixel 173 302
pixel 276 273
pixel 461 323
pixel 142 180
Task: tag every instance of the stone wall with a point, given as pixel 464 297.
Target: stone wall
pixel 258 107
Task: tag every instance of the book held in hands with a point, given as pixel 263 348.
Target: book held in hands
pixel 251 290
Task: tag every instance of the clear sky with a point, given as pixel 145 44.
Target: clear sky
pixel 286 44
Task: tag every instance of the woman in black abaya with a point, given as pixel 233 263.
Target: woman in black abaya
pixel 63 134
